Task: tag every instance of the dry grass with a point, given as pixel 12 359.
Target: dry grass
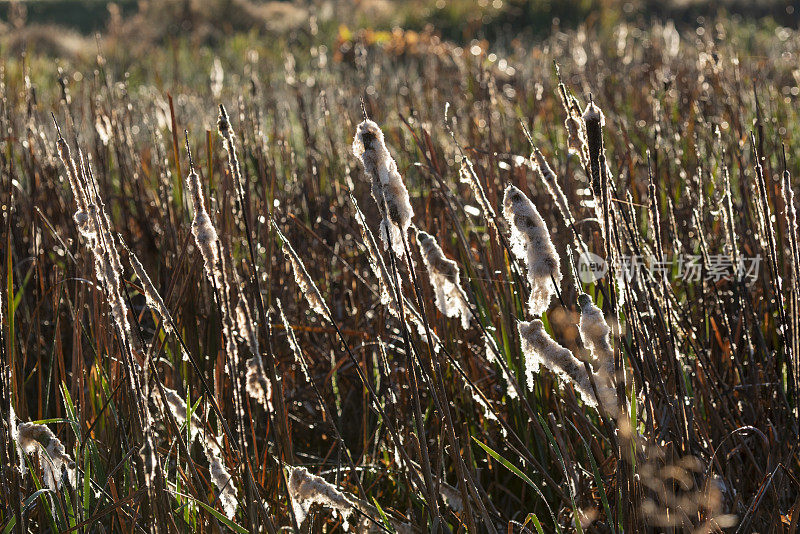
pixel 239 350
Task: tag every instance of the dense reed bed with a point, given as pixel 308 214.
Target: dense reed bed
pixel 347 287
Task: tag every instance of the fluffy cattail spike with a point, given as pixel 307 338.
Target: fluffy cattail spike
pixel 530 242
pixel 205 235
pixel 388 188
pixel 594 120
pixel 541 350
pixel 307 490
pixel 37 439
pixel 596 334
pixel 303 279
pixel 445 279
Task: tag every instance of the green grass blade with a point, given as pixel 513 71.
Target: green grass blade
pixel 224 520
pixel 522 476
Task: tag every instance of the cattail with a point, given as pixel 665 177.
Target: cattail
pixel 78 193
pixel 245 325
pixel 307 286
pixel 226 132
pixel 177 407
pixel 594 120
pixel 445 279
pixel 388 188
pixel 451 497
pixel 596 334
pixel 224 482
pixel 257 384
pixel 550 181
pixel 576 130
pixel 576 133
pixel 149 460
pixel 151 295
pixel 95 225
pixel 530 242
pixel 53 458
pixel 541 350
pixel 205 235
pixel 219 475
pixel 791 219
pixel 306 490
pixel 12 424
pixel 467 175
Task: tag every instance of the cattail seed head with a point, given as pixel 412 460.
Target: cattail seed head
pixel 594 120
pixel 224 482
pixel 149 461
pixel 596 334
pixel 388 188
pixel 307 490
pixel 219 475
pixel 205 235
pixel 445 279
pixel 257 384
pixel 38 439
pixel 530 242
pixel 541 350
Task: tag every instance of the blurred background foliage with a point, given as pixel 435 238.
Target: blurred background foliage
pixel 207 21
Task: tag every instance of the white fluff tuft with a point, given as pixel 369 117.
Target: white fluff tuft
pixel 445 279
pixel 388 188
pixel 53 458
pixel 596 334
pixel 541 350
pixel 306 490
pixel 530 242
pixel 220 477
